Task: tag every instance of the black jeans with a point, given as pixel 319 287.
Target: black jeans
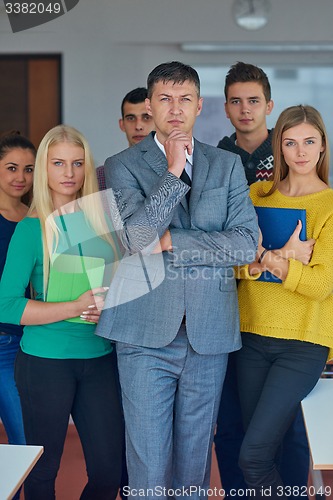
pixel 53 389
pixel 294 456
pixel 274 375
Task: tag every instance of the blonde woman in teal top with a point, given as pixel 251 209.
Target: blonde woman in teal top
pixel 63 369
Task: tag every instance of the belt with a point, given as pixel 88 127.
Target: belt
pixel 4 333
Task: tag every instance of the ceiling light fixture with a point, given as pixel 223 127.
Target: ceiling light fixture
pixel 251 14
pixel 230 47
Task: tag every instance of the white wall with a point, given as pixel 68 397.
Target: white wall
pixel 109 47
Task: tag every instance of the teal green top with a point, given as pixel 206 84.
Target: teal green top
pixel 24 264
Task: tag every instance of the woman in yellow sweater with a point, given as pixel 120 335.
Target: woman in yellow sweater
pixel 286 327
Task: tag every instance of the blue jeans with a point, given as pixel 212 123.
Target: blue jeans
pixel 294 454
pixel 274 375
pixel 10 406
pixel 230 433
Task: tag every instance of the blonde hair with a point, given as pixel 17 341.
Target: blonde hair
pixel 42 202
pixel 291 117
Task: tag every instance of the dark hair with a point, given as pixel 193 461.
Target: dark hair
pixel 174 71
pixel 242 73
pixel 14 140
pixel 134 97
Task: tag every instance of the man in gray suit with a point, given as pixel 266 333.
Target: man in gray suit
pixel 173 341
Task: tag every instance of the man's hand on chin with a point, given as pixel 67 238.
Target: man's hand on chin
pixel 165 243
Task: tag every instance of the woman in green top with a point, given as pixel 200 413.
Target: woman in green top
pixel 62 367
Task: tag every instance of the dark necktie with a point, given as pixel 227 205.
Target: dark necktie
pixel 186 178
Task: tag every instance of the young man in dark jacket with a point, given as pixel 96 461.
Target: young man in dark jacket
pixel 248 103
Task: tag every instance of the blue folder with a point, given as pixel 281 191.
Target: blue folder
pixel 277 225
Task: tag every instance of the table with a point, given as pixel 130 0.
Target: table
pixel 16 461
pixel 318 410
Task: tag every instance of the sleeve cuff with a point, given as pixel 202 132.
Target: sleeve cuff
pixel 294 275
pixel 242 273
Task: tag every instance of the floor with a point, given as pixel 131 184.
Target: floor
pixel 72 475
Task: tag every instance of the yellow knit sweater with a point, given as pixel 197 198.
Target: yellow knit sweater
pixel 301 308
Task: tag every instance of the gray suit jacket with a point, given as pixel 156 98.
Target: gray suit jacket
pixel 217 231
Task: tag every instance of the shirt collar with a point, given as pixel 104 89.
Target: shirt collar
pixel 189 158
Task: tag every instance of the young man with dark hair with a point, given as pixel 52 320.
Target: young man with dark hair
pixel 134 121
pixel 248 103
pixel 173 341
